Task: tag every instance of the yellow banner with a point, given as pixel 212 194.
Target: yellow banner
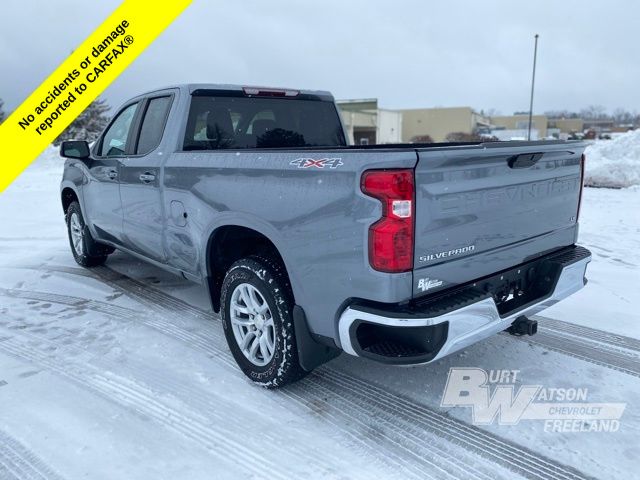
pixel 83 76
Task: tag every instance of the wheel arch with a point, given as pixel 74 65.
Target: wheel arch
pixel 67 196
pixel 229 243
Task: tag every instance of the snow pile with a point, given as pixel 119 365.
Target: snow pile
pixel 614 163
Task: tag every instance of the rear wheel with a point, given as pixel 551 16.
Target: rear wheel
pixel 256 308
pixel 86 251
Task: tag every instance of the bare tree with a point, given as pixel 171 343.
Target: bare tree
pixel 623 117
pixel 594 112
pixel 620 116
pixel 561 114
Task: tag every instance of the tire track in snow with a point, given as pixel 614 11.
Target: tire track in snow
pixel 122 313
pixel 509 455
pixel 523 461
pixel 516 458
pixel 205 343
pixel 566 328
pixel 200 342
pixel 356 404
pixel 19 463
pixel 396 451
pixel 214 346
pixel 442 460
pixel 77 303
pixel 206 402
pixel 597 354
pixel 133 397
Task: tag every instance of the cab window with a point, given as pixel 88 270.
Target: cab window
pixel 115 138
pixel 236 122
pixel 153 124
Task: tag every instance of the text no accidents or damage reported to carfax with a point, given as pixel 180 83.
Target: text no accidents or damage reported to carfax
pixel 67 89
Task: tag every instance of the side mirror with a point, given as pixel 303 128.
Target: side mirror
pixel 75 149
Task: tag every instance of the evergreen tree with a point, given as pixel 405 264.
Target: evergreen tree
pixel 88 125
pixel 1 111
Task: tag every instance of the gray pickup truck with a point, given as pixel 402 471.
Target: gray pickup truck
pixel 309 247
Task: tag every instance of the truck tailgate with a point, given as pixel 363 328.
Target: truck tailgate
pixel 484 209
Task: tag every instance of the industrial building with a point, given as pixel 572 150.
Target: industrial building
pixel 437 123
pixel 567 125
pixel 517 126
pixel 366 124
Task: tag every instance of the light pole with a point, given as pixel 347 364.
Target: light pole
pixel 533 82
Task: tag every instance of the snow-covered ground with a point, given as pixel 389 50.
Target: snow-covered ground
pixel 121 372
pixel 610 228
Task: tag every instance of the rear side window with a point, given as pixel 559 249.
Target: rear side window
pixel 222 122
pixel 153 124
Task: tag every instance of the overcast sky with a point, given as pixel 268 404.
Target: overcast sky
pixel 406 53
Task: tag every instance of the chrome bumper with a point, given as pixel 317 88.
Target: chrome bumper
pixel 471 323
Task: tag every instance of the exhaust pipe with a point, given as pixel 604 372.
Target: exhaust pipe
pixel 523 326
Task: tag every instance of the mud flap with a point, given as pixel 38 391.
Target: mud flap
pixel 311 353
pixel 94 248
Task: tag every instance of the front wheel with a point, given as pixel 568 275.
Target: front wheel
pixel 256 308
pixel 86 251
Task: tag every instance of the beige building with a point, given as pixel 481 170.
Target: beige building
pixel 521 122
pixel 366 124
pixel 567 125
pixel 439 122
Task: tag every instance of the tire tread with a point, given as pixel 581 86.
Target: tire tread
pixel 85 260
pixel 276 280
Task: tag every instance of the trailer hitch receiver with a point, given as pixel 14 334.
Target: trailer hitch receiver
pixel 523 326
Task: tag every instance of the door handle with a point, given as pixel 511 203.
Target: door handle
pixel 147 177
pixel 525 160
pixel 112 174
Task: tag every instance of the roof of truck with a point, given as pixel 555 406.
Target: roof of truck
pixel 192 87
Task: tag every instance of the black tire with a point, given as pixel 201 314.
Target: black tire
pixel 269 279
pixel 88 253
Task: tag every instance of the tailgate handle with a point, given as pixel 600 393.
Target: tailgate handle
pixel 524 160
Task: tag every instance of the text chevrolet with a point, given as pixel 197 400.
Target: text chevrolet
pixel 309 247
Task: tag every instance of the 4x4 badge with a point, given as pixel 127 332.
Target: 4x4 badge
pixel 317 163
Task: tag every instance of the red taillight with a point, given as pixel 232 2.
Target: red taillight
pixel 582 166
pixel 391 237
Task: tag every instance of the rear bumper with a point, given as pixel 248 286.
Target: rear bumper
pixel 426 330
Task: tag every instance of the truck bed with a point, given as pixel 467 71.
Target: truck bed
pixel 477 213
